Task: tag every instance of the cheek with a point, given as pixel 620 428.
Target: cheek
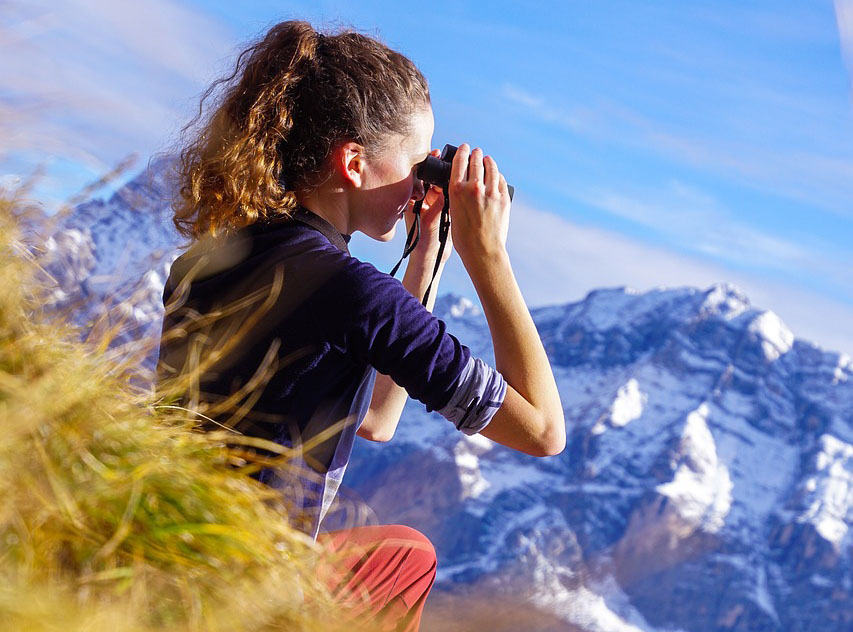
pixel 412 183
pixel 403 191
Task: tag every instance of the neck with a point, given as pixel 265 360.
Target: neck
pixel 330 203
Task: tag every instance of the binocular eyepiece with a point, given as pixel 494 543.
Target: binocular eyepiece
pixel 437 170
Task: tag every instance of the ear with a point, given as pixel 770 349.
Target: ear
pixel 349 163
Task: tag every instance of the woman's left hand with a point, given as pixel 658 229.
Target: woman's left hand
pixel 430 221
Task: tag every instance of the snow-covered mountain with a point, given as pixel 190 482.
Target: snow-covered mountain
pixel 110 259
pixel 707 480
pixel 706 484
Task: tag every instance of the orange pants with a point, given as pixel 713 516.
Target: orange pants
pixel 383 573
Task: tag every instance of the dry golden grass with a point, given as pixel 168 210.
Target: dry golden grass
pixel 114 514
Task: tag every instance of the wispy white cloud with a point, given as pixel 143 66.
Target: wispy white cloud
pixel 576 121
pixel 696 223
pixel 817 169
pixel 699 222
pixel 91 81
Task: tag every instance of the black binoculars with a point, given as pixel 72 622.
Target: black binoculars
pixel 437 170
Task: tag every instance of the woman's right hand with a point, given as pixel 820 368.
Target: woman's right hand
pixel 479 205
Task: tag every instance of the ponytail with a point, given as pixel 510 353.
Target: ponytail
pixel 292 96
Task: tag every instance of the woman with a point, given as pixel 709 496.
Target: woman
pixel 293 340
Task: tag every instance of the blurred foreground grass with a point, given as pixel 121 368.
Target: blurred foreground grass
pixel 114 515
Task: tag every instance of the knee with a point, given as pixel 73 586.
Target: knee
pixel 397 544
pixel 413 537
pixel 421 550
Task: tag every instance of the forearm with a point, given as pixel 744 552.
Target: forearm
pixel 388 399
pixel 419 274
pixel 537 417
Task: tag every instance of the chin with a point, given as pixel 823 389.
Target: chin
pixel 389 235
pixel 386 236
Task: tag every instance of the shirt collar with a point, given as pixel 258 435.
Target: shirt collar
pixel 340 240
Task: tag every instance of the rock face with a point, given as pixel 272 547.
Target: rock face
pixel 706 484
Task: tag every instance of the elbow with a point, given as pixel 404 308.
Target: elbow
pixel 550 447
pixel 553 440
pixel 380 436
pixel 384 437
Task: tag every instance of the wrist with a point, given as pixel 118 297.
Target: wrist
pixel 423 258
pixel 420 269
pixel 479 255
pixel 484 263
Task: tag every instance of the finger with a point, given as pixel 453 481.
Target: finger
pixel 475 166
pixel 504 189
pixel 410 210
pixel 409 216
pixel 434 196
pixel 459 167
pixel 492 176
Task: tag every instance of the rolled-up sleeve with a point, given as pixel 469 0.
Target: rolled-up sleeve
pixel 478 396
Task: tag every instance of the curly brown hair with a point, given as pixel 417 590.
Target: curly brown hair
pixel 292 97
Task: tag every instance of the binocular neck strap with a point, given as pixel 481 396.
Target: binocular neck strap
pixel 414 237
pixel 443 231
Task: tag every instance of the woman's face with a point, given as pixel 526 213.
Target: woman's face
pixel 390 185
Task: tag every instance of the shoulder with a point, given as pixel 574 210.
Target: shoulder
pixel 309 253
pixel 304 252
pixel 372 293
pixel 361 275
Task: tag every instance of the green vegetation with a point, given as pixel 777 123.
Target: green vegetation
pixel 114 514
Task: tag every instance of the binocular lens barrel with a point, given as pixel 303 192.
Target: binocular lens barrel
pixel 436 170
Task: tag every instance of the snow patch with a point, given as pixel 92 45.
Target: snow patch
pixel 762 595
pixel 466 455
pixel 830 491
pixel 600 607
pixel 701 487
pixel 841 369
pixel 603 309
pixel 761 465
pixel 464 307
pixel 726 300
pixel 821 581
pixel 628 404
pixel 774 335
pixel 507 473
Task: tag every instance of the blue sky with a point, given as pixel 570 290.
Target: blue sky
pixel 651 144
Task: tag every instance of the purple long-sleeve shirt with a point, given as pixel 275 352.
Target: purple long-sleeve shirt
pixel 308 326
